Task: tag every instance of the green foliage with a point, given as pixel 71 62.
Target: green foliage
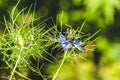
pixel 110 53
pixel 26 39
pixel 101 10
pixel 21 41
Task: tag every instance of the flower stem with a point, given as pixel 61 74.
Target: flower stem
pixel 56 74
pixel 15 66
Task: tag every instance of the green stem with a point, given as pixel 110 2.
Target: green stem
pixel 22 76
pixel 18 72
pixel 15 67
pixel 56 74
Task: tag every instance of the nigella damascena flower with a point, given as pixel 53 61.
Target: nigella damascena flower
pixel 69 42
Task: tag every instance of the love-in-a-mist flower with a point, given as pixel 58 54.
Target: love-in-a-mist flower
pixel 68 42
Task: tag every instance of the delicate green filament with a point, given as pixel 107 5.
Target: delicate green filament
pixel 56 74
pixel 15 66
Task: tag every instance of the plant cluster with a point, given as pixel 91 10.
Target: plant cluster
pixel 25 39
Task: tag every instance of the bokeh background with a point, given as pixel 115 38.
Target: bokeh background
pixel 104 62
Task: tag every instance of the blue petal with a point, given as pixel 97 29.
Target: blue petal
pixel 79 47
pixel 62 38
pixel 82 45
pixel 66 45
pixel 76 41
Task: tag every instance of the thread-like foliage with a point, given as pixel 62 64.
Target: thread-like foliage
pixel 22 40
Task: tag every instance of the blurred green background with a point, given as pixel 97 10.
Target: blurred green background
pixel 104 63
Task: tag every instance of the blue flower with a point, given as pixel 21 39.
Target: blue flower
pixel 68 42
